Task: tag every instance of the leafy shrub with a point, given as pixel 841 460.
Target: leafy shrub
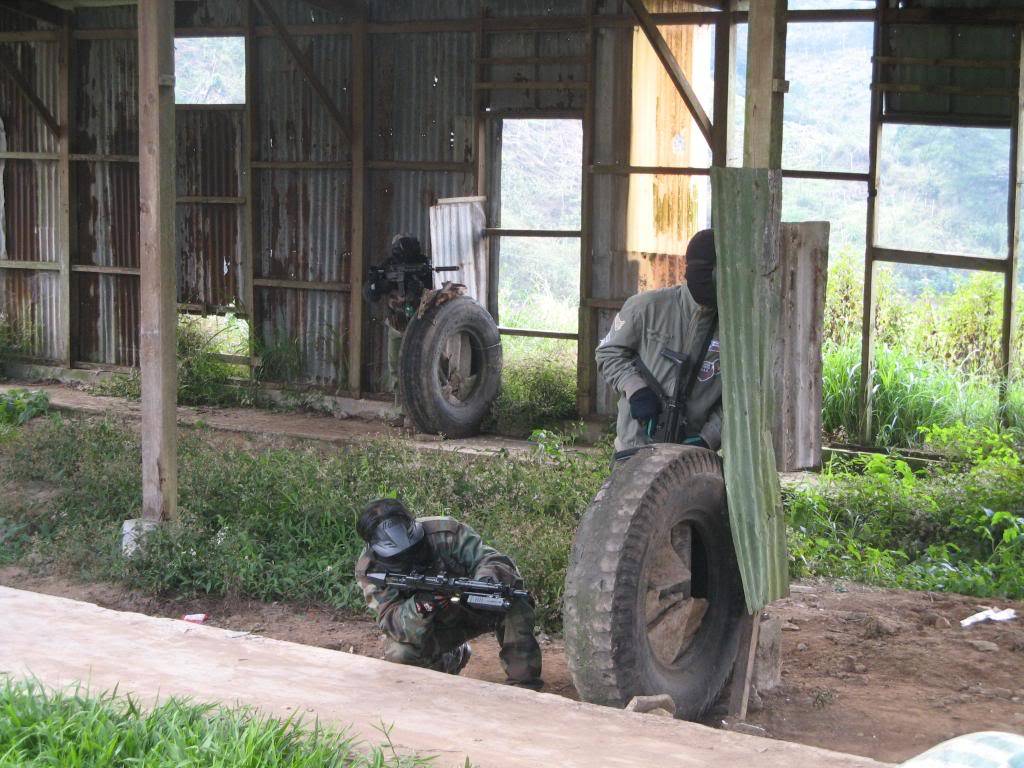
pixel 538 391
pixel 19 406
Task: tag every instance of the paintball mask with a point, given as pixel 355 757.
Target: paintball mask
pixel 701 263
pixel 396 537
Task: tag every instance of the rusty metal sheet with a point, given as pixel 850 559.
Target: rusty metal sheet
pixel 31 211
pixel 206 14
pixel 532 44
pixel 291 121
pixel 26 131
pixel 31 301
pixel 303 225
pixel 210 262
pixel 209 153
pixel 425 10
pixel 107 214
pixel 400 203
pixel 422 97
pixel 301 13
pixel 107 98
pixel 309 327
pixel 108 319
pixel 112 17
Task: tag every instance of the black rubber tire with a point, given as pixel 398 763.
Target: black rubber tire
pixel 420 363
pixel 606 638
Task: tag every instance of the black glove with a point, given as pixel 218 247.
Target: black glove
pixel 644 405
pixel 697 441
pixel 428 604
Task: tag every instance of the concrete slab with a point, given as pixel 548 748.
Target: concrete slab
pixel 61 642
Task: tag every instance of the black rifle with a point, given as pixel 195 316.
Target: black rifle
pixel 472 593
pixel 409 279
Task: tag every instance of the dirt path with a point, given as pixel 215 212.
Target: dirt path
pixel 848 684
pixel 61 641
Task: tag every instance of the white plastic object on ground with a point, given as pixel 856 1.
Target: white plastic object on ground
pixel 989 614
pixel 194 618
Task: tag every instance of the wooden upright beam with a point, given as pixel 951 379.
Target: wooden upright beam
pixel 156 229
pixel 766 84
pixel 306 67
pixel 725 62
pixel 360 68
pixel 675 72
pixel 10 66
pixel 1014 234
pixel 64 190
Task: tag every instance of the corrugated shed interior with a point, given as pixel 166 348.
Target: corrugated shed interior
pixel 268 223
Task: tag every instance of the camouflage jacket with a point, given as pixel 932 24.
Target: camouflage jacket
pixel 649 322
pixel 456 550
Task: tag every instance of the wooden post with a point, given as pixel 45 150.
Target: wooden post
pixel 586 366
pixel 766 84
pixel 65 227
pixel 725 61
pixel 249 183
pixel 156 229
pixel 867 350
pixel 1014 235
pixel 360 55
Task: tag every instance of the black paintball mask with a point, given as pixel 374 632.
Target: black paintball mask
pixel 394 536
pixel 406 249
pixel 701 269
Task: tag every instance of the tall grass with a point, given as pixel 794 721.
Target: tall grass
pixel 74 729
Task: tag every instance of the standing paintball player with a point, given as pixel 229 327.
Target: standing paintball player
pixel 683 319
pixel 428 630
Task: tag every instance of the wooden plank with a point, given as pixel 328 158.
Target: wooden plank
pixel 491 61
pixel 10 66
pixel 91 269
pixel 942 90
pixel 302 165
pixel 419 165
pixel 827 175
pixel 675 72
pixel 867 350
pixel 48 266
pixel 532 85
pixel 586 324
pixel 958 63
pixel 501 232
pixel 248 292
pixel 804 274
pixel 538 334
pixel 949 260
pixel 747 205
pixel 210 200
pixel 42 156
pixel 357 271
pixel 766 74
pixel 78 158
pixel 305 66
pixel 302 285
pixel 1014 210
pixel 725 64
pixel 157 260
pixel 64 190
pixel 743 669
pixel 606 169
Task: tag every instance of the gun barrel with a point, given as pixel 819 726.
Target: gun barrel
pixel 447 269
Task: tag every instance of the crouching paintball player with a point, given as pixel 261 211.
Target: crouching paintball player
pixel 430 627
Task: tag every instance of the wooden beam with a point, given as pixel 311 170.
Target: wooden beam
pixel 8 64
pixel 360 184
pixel 725 62
pixel 65 187
pixel 157 260
pixel 946 260
pixel 1015 208
pixel 305 66
pixel 675 72
pixel 766 77
pixel 586 324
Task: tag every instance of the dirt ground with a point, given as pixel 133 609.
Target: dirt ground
pixel 871 672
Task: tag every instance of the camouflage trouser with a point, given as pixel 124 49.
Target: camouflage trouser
pixel 394 348
pixel 520 653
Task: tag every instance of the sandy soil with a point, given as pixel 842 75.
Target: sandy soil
pixel 870 672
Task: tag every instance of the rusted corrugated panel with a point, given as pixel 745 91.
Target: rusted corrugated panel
pixel 424 10
pixel 301 13
pixel 311 324
pixel 108 319
pixel 26 131
pixel 423 97
pixel 107 213
pixel 934 41
pixel 31 210
pixel 209 156
pixel 114 17
pixel 400 203
pixel 209 13
pixel 30 300
pixel 107 98
pixel 457 240
pixel 303 225
pixel 209 246
pixel 536 7
pixel 530 44
pixel 291 121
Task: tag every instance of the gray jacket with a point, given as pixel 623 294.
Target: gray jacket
pixel 648 323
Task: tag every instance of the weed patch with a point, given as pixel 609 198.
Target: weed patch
pixel 72 729
pixel 538 388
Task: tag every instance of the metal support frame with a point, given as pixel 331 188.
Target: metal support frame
pixel 675 72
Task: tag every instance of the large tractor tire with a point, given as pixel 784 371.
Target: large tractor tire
pixel 450 368
pixel 653 598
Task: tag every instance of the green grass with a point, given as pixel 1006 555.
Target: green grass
pixel 279 524
pixel 956 526
pixel 73 730
pixel 538 387
pixel 18 407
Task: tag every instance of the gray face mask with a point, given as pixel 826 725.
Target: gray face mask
pixel 395 536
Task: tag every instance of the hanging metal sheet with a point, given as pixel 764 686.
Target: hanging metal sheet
pixel 457 240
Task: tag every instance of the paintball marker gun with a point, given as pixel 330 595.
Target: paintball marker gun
pixel 472 593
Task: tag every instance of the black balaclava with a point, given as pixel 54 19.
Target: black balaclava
pixel 701 261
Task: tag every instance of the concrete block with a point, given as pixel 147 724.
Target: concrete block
pixel 768 658
pixel 133 535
